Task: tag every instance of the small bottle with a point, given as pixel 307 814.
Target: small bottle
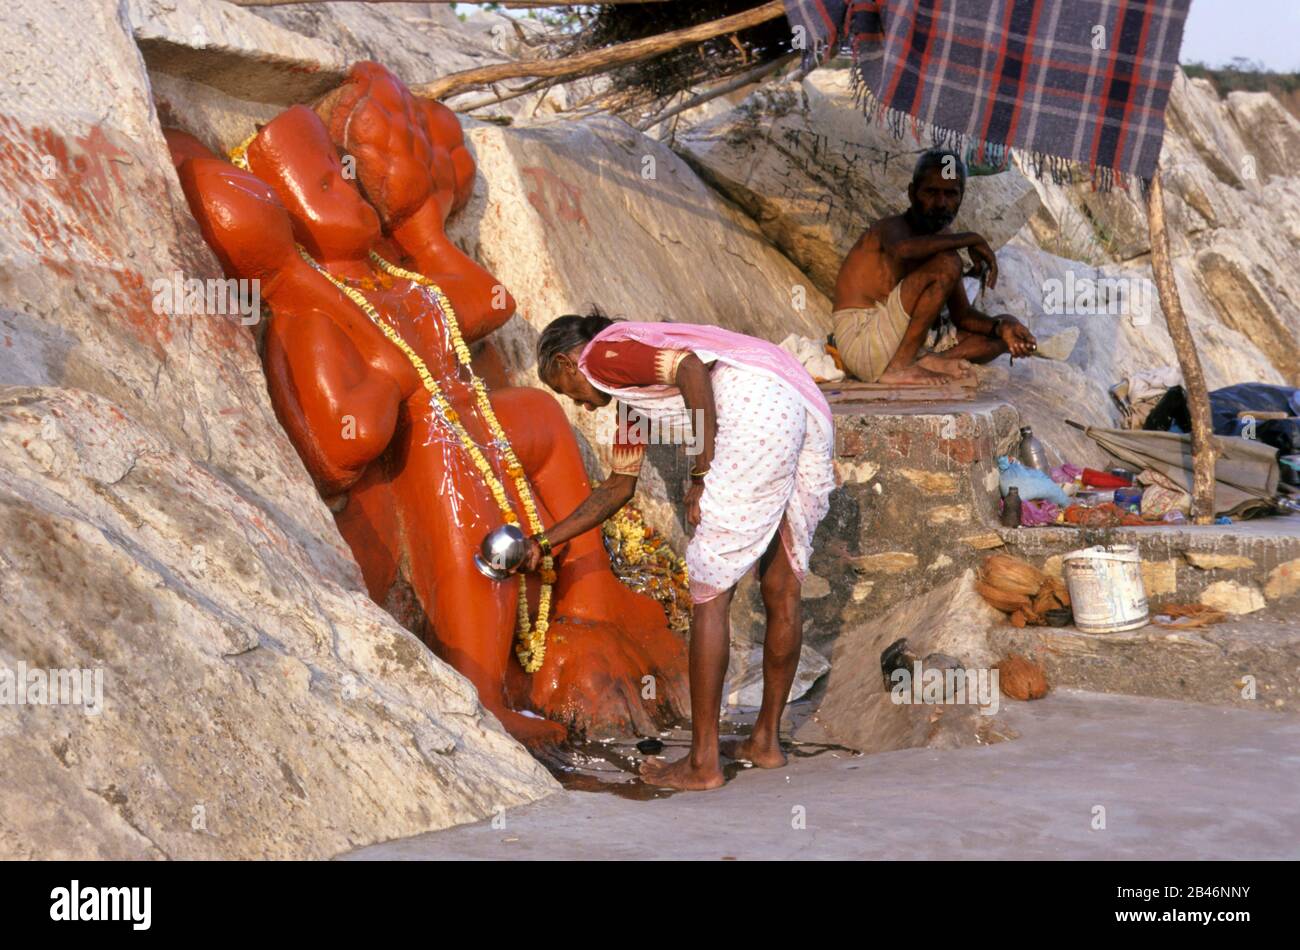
pixel 1012 508
pixel 1032 454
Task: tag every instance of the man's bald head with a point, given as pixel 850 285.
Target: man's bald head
pixel 948 162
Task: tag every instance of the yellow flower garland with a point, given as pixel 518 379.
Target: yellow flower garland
pixel 644 562
pixel 239 154
pixel 531 650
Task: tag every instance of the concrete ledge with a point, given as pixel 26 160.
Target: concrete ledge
pixel 1182 562
pixel 1249 662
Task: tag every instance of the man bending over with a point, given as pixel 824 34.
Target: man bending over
pixel 897 279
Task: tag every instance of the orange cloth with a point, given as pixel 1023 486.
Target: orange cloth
pixel 1108 515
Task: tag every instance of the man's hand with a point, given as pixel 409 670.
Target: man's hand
pixel 1019 341
pixel 693 495
pixel 984 261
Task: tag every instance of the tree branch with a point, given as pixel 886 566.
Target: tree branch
pixel 603 60
pixel 744 79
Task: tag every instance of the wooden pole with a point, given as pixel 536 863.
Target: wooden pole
pixel 1204 454
pixel 602 60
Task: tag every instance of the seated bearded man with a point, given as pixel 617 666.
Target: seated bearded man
pixel 900 275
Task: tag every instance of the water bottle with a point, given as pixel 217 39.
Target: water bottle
pixel 1012 508
pixel 1032 454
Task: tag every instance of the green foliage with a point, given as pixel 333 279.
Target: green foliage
pixel 1245 75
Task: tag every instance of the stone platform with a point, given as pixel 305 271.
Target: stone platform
pixel 917 507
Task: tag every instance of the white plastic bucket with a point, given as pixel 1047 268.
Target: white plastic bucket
pixel 1106 590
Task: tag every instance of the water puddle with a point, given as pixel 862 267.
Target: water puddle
pixel 612 766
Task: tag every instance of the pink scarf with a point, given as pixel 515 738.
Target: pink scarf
pixel 714 343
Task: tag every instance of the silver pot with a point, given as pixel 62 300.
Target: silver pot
pixel 501 553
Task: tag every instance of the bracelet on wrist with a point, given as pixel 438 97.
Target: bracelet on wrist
pixel 543 542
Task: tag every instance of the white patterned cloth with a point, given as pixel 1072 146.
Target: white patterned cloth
pixel 770 460
pixel 772 449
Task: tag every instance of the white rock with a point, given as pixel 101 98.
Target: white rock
pixel 156 524
pixel 1233 597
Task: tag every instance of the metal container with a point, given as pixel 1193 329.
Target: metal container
pixel 501 553
pixel 1031 452
pixel 1106 590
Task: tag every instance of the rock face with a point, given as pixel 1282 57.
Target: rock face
pixel 950 623
pixel 1233 203
pixel 418 41
pixel 157 527
pixel 802 160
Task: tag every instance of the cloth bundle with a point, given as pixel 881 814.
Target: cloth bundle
pixel 1032 484
pixel 812 354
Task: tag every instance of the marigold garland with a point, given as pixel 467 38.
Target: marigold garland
pixel 531 648
pixel 239 154
pixel 643 561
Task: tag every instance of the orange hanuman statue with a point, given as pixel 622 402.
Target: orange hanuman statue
pixel 409 474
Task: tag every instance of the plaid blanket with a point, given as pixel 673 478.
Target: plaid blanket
pixel 1064 82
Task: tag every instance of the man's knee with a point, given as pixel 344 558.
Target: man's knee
pixel 936 278
pixel 945 267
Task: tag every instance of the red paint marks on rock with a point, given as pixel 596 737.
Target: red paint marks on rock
pixel 554 198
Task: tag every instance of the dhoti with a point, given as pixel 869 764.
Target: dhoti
pixel 772 460
pixel 868 337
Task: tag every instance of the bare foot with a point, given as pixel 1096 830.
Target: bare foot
pixel 681 774
pixel 764 755
pixel 959 371
pixel 913 375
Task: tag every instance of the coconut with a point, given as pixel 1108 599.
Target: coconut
pixel 1001 599
pixel 1022 678
pixel 1012 575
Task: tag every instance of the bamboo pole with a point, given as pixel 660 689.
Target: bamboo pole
pixel 602 60
pixel 1204 454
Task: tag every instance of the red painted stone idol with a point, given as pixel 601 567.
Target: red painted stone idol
pixel 366 352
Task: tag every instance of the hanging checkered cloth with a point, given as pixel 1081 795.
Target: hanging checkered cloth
pixel 1063 82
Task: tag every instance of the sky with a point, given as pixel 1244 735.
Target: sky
pixel 1265 30
pixel 1218 30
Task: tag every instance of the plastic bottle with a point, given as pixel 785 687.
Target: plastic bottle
pixel 1012 509
pixel 1032 454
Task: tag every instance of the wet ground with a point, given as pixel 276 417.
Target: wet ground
pixel 1093 776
